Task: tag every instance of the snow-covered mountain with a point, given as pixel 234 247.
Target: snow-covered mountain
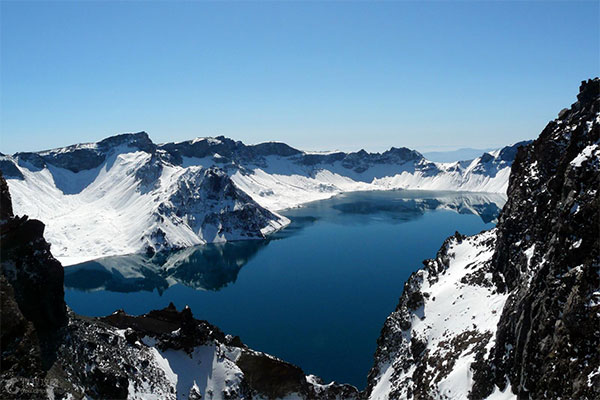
pixel 455 155
pixel 122 196
pixel 127 195
pixel 513 312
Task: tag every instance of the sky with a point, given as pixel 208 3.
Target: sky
pixel 316 75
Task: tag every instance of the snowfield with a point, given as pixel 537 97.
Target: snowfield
pixel 446 318
pixel 126 195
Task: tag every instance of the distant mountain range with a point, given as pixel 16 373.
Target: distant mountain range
pixel 456 155
pixel 126 194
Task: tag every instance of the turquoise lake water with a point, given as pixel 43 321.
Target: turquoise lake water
pixel 315 294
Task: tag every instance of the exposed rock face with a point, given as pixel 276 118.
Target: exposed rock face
pixel 124 195
pixel 521 316
pixel 551 322
pixel 37 277
pixel 9 169
pixel 210 204
pixel 6 211
pixel 80 157
pixel 33 306
pixel 32 295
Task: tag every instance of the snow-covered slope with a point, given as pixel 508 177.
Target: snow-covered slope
pixel 445 322
pixel 126 194
pixel 130 200
pixel 287 177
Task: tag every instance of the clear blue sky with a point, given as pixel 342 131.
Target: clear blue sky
pixel 329 75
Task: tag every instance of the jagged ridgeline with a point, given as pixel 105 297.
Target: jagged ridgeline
pixel 127 195
pixel 514 311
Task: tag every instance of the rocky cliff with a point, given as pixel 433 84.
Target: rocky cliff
pixel 31 288
pixel 548 258
pixel 513 312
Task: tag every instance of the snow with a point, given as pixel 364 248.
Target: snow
pixel 498 394
pixel 103 211
pixel 281 184
pixel 206 369
pixel 75 232
pixel 592 150
pixel 452 308
pixel 384 385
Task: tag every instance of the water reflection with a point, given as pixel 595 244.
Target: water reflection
pixel 212 267
pixel 402 206
pixel 209 267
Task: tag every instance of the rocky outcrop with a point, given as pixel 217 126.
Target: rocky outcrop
pixel 9 169
pixel 33 306
pixel 80 157
pixel 520 312
pixel 211 204
pixel 548 338
pixel 133 199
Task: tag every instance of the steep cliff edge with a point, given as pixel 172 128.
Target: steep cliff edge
pixel 32 294
pixel 515 311
pixel 548 338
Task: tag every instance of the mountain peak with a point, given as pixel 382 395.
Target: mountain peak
pixel 140 140
pixel 588 91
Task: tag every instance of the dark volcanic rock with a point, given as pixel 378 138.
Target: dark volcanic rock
pixel 140 141
pixel 552 318
pixel 33 308
pixel 80 157
pixel 271 376
pixel 6 210
pixel 28 266
pixel 32 161
pixel 209 202
pixel 76 159
pixel 10 170
pixel 36 276
pixel 21 353
pixel 162 323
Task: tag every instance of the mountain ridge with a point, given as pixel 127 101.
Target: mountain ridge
pixel 125 194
